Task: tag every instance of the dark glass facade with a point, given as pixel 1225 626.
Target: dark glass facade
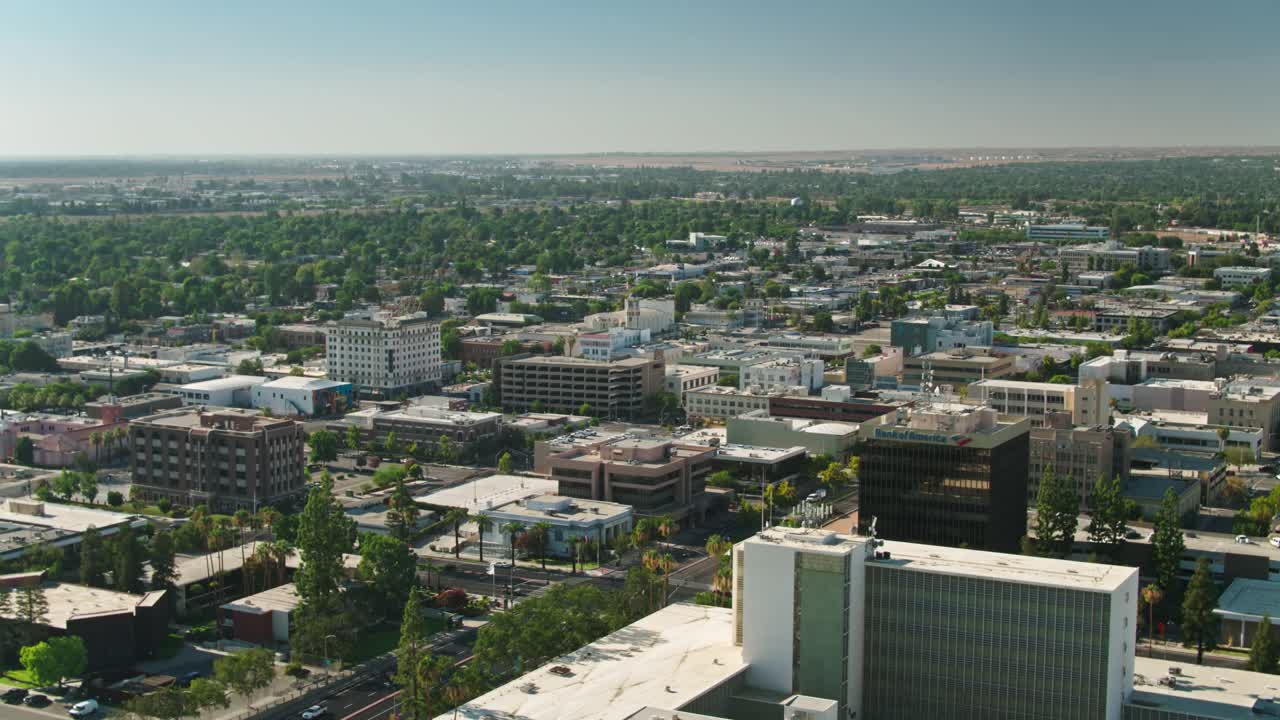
pixel 943 494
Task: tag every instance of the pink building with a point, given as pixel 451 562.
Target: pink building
pixel 58 439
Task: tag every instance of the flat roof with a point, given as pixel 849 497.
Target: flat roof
pixel 490 492
pixel 71 518
pixel 1001 566
pixel 67 602
pixel 677 654
pixel 1024 385
pixel 303 383
pixel 1202 690
pixel 579 510
pixel 230 382
pixel 279 599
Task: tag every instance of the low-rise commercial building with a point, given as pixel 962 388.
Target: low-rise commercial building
pixel 232 391
pixel 1248 403
pixel 1236 275
pixel 302 396
pixel 1190 431
pixel 1082 454
pixel 931 334
pixel 1118 320
pixel 783 373
pixel 59 440
pixel 835 439
pixel 717 403
pixel 681 379
pixel 225 459
pixel 422 424
pixel 1086 404
pixel 655 477
pixel 957 367
pixel 869 371
pixel 572 520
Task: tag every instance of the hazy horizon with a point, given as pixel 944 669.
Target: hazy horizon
pixel 148 79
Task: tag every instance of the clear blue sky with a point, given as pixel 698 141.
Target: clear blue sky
pixel 472 76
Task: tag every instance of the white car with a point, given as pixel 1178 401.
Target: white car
pixel 84 708
pixel 1243 540
pixel 1275 542
pixel 314 712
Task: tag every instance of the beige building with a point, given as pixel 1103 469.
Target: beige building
pixel 717 402
pixel 655 477
pixel 956 367
pixel 1086 403
pixel 1081 453
pixel 1248 403
pixel 385 356
pixel 226 459
pixel 680 379
pixel 615 389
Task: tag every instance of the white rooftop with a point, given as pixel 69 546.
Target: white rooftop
pixel 490 492
pixel 294 382
pixel 280 599
pixel 1202 690
pixel 1014 568
pixel 72 518
pixel 231 382
pixel 671 656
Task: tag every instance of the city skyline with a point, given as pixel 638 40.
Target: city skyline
pixel 507 78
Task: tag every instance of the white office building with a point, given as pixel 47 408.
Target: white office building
pixel 609 345
pixel 1238 275
pixel 385 356
pixel 231 391
pixel 783 373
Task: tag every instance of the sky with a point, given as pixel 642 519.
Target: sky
pixel 480 77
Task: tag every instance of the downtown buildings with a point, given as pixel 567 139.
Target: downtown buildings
pixel 225 459
pixel 385 356
pixel 948 474
pixel 612 389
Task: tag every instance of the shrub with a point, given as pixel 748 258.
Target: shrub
pixel 115 498
pixel 452 599
pixel 165 505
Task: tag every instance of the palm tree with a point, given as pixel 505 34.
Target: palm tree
pixel 241 519
pixel 95 437
pixel 120 435
pixel 542 531
pixel 666 527
pixel 512 529
pixel 1152 595
pixel 267 518
pixel 483 523
pixel 456 517
pixel 621 543
pixel 432 568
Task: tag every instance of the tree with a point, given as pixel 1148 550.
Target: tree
pixel 402 512
pixel 512 530
pixel 1167 545
pixel 456 517
pixel 1107 524
pixel 93 559
pixel 1057 513
pixel 30 605
pixel 353 437
pixel 207 693
pixel 54 660
pixel 483 524
pixel 65 484
pixel 1198 621
pixel 389 567
pixel 163 571
pixel 538 629
pixel 89 487
pixel 24 451
pixel 169 703
pixel 505 464
pixel 822 322
pixel 324 446
pixel 247 671
pixel 541 534
pixel 1263 654
pixel 127 555
pixel 413 647
pixel 115 498
pixel 324 536
pixel 721 479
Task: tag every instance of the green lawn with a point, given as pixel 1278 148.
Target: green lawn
pixel 17 677
pixel 375 641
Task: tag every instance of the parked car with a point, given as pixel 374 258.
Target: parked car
pixel 38 701
pixel 13 696
pixel 1275 542
pixel 314 712
pixel 84 708
pixel 1243 540
pixel 1132 534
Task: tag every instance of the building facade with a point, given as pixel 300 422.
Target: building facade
pixel 225 459
pixel 652 476
pixel 956 367
pixel 926 335
pixel 1085 403
pixel 619 389
pixel 946 475
pixel 1081 454
pixel 384 356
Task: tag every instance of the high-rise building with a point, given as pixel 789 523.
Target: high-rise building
pixel 225 459
pixel 898 630
pixel 946 474
pixel 384 356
